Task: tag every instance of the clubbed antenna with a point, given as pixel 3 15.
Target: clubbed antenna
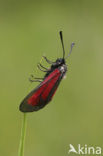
pixel 72 45
pixel 61 37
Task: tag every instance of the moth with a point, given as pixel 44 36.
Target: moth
pixel 44 92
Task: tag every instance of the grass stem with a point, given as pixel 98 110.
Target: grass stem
pixel 22 139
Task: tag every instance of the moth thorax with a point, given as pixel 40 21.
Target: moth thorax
pixel 63 68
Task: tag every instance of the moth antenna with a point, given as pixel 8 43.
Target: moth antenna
pixel 72 45
pixel 61 37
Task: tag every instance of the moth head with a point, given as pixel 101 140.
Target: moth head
pixel 60 61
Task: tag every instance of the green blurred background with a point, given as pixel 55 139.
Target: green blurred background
pixel 28 30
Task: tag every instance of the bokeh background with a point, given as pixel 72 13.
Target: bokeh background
pixel 29 30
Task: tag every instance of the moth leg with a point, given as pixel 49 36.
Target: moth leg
pixel 41 69
pixel 48 61
pixel 35 79
pixel 43 66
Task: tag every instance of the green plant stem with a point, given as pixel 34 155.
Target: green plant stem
pixel 22 139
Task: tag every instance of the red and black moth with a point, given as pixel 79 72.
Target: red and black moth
pixel 43 93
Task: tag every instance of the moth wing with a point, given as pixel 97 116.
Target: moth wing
pixel 40 96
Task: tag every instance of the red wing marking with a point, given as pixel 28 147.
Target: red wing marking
pixel 49 87
pixel 45 88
